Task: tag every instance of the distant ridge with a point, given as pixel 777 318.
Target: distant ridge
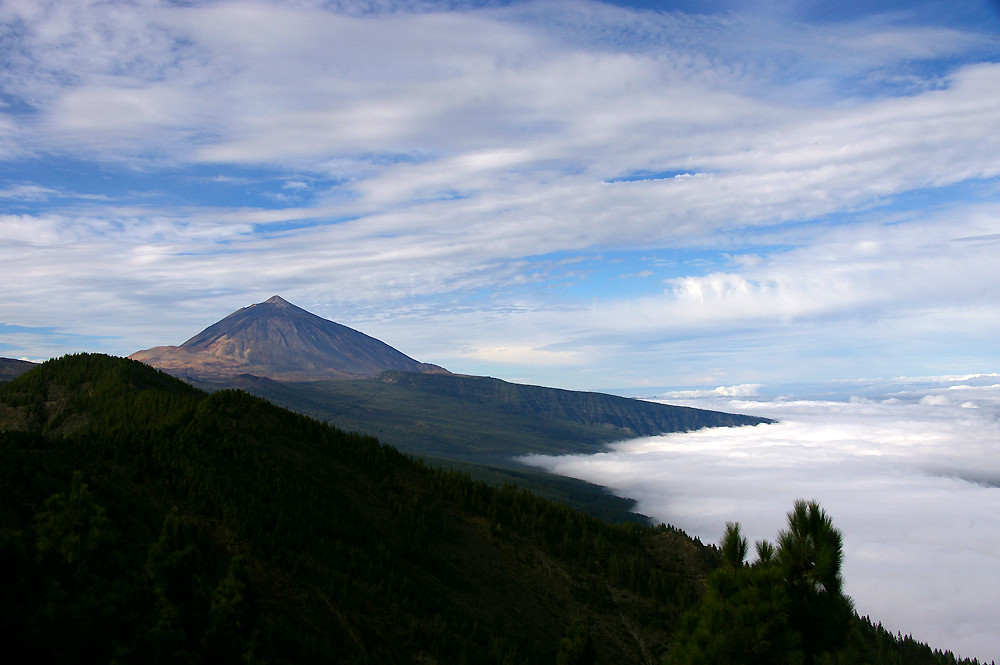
pixel 338 375
pixel 277 340
pixel 11 368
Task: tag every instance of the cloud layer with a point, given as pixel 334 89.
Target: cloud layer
pixel 416 168
pixel 911 478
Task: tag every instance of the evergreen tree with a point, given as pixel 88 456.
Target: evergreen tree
pixel 810 554
pixel 742 619
pixel 789 600
pixel 576 647
pixel 734 546
pixel 71 526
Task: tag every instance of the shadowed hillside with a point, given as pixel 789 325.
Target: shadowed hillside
pixel 625 417
pixel 332 373
pixel 338 375
pixel 11 368
pixel 319 546
pixel 145 521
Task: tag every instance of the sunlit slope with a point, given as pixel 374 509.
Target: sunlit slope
pixel 482 419
pixel 336 374
pixel 278 340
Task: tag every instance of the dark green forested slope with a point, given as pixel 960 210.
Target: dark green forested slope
pixel 144 521
pixel 481 424
pixel 628 417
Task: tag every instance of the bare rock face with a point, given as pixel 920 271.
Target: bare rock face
pixel 278 340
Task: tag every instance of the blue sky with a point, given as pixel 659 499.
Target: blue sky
pixel 589 195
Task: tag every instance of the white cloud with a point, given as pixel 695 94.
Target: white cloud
pixel 523 355
pixel 460 142
pixel 742 390
pixel 859 271
pixel 887 292
pixel 912 483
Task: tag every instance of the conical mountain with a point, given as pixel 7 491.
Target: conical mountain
pixel 277 340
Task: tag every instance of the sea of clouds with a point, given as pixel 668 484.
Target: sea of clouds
pixel 909 470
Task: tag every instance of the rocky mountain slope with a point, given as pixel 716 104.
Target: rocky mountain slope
pixel 343 377
pixel 483 419
pixel 278 340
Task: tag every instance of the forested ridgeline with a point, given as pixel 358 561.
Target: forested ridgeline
pixel 144 521
pixel 479 419
pixel 630 417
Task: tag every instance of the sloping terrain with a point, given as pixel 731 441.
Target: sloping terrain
pixel 624 417
pixel 278 340
pixel 210 525
pixel 332 373
pixel 145 521
pixel 11 368
pixel 481 419
pixel 341 376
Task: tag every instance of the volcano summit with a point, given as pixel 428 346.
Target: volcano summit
pixel 277 340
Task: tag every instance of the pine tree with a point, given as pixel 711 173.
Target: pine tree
pixel 789 600
pixel 734 546
pixel 810 554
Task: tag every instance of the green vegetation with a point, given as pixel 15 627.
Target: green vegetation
pixel 582 496
pixel 789 602
pixel 481 419
pixel 481 424
pixel 144 521
pixel 142 517
pixel 788 607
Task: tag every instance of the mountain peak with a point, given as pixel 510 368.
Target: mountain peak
pixel 277 340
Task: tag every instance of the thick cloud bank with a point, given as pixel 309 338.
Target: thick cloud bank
pixel 911 476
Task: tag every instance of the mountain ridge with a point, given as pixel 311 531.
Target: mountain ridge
pixel 11 368
pixel 631 417
pixel 327 371
pixel 340 376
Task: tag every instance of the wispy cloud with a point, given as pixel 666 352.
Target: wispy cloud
pixel 402 156
pixel 27 192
